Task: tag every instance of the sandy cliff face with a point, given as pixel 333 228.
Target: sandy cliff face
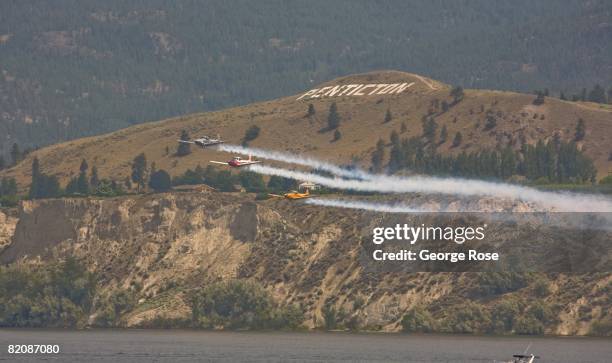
pixel 167 244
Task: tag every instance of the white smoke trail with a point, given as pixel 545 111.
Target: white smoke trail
pixel 296 159
pixel 562 202
pixel 376 207
pixel 563 220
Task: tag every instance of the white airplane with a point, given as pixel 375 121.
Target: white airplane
pixel 237 161
pixel 203 141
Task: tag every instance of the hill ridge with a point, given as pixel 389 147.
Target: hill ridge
pixel 285 126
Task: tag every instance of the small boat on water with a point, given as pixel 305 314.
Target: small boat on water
pixel 522 358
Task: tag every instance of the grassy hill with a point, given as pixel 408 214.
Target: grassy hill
pixel 72 69
pixel 285 126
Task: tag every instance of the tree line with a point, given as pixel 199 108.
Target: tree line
pixel 104 67
pixel 144 176
pixel 554 161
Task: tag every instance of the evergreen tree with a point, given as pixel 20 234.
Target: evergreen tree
pixel 160 181
pixel 458 139
pixel 378 156
pixel 403 128
pixel 429 128
pixel 94 180
pixel 333 118
pixel 73 186
pixel 278 183
pixel 562 96
pixel 83 182
pixel 580 130
pixel 337 135
pixel 252 182
pixel 183 148
pixel 491 122
pixel 508 163
pixel 8 187
pixel 2 162
pixel 443 134
pixel 394 137
pixel 457 94
pixel 250 134
pixel 42 186
pixel 51 187
pixel 396 157
pixel 597 94
pixel 15 154
pixel 540 98
pixel 311 110
pixel 36 183
pixel 139 171
pixel 388 116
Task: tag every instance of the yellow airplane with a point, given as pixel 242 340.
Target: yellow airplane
pixel 293 195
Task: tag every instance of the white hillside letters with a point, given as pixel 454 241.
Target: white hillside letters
pixel 357 90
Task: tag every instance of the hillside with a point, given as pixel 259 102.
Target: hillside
pixel 151 251
pixel 285 126
pixel 72 69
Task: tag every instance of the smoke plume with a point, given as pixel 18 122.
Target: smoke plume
pixel 562 202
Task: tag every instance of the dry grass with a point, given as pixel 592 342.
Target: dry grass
pixel 284 127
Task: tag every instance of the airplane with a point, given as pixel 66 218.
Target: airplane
pixel 237 161
pixel 293 195
pixel 203 141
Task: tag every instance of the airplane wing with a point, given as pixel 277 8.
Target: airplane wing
pixel 186 142
pixel 276 195
pixel 218 162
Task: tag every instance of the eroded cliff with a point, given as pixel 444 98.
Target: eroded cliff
pixel 167 244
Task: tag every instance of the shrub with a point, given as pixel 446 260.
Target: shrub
pixel 250 134
pixel 332 317
pixel 607 180
pixel 602 327
pixel 495 283
pixel 240 305
pixel 528 326
pixel 183 148
pixel 160 181
pixel 55 295
pixel 541 287
pixel 466 318
pixel 418 320
pixel 504 315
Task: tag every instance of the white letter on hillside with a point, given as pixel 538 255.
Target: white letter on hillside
pixel 314 90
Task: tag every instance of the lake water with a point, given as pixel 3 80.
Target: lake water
pixel 189 346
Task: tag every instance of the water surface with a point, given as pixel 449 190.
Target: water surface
pixel 189 346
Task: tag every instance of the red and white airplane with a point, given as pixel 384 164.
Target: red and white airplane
pixel 237 161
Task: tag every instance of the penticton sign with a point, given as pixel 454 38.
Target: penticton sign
pixel 368 89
